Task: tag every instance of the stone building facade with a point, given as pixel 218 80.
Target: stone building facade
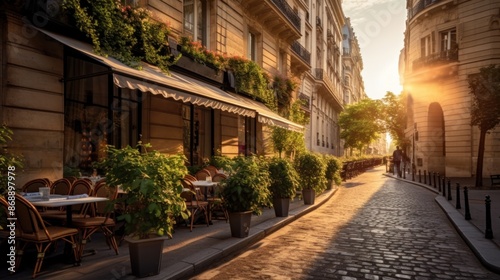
pixel 445 42
pixel 64 102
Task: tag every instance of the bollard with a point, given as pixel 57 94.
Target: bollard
pixel 458 206
pixel 425 177
pixel 404 172
pixel 435 180
pixel 430 178
pixel 439 182
pixel 419 176
pixel 413 174
pixel 489 232
pixel 466 200
pixel 444 188
pixel 449 190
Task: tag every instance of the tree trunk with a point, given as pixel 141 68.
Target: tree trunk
pixel 480 157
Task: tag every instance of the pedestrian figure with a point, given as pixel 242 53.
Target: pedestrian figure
pixel 397 156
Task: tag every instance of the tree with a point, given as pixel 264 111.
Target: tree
pixel 361 123
pixel 395 117
pixel 485 110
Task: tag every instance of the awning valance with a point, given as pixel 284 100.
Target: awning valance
pixel 179 87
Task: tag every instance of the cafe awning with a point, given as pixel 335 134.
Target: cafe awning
pixel 179 87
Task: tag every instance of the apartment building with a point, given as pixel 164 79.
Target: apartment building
pixel 446 41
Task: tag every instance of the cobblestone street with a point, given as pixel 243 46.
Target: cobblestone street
pixel 374 227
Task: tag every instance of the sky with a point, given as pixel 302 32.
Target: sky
pixel 379 26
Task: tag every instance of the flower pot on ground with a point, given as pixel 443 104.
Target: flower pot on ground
pixel 245 190
pixel 152 183
pixel 311 169
pixel 332 173
pixel 283 184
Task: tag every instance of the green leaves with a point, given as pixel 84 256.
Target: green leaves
pixel 153 184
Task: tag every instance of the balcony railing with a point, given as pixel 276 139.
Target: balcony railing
pixel 304 54
pixel 420 6
pixel 443 57
pixel 306 101
pixel 288 12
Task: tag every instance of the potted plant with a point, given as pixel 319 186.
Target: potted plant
pixel 152 183
pixel 244 192
pixel 283 184
pixel 311 170
pixel 332 173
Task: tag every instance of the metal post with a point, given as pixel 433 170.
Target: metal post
pixel 413 174
pixel 489 232
pixel 466 199
pixel 439 182
pixel 449 190
pixel 458 206
pixel 419 176
pixel 425 177
pixel 435 180
pixel 444 187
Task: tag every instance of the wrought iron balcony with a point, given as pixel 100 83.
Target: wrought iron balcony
pixel 288 12
pixel 439 58
pixel 300 51
pixel 306 102
pixel 420 6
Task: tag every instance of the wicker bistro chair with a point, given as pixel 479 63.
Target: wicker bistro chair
pixel 32 230
pixel 212 169
pixel 190 177
pixel 215 201
pixel 202 175
pixel 35 185
pixel 4 232
pixel 100 219
pixel 194 202
pixel 61 186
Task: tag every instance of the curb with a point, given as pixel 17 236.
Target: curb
pixel 204 258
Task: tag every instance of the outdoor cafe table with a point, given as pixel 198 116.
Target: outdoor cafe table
pixel 59 201
pixel 205 185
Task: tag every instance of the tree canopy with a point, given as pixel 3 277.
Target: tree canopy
pixel 395 116
pixel 361 123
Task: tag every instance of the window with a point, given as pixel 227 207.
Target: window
pixel 252 47
pixel 96 113
pixel 425 46
pixel 282 63
pixel 449 43
pixel 247 139
pixel 197 133
pixel 196 20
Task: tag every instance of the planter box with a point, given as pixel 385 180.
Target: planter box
pixel 309 196
pixel 146 255
pixel 281 206
pixel 201 70
pixel 239 223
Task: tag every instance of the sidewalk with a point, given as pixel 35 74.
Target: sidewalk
pixel 186 254
pixel 473 230
pixel 189 253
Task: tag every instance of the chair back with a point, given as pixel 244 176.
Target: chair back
pixel 219 177
pixel 187 184
pixel 202 175
pixel 109 192
pixel 188 196
pixel 81 186
pixel 71 179
pixel 61 186
pixel 29 221
pixel 35 185
pixel 4 208
pixel 212 169
pixel 190 177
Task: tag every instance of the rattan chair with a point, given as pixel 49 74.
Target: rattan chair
pixel 202 175
pixel 194 203
pixel 101 219
pixel 35 185
pixel 32 230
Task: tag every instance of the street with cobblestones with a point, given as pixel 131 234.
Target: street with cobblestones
pixel 374 227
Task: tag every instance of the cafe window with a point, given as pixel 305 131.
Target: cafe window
pixel 96 113
pixel 198 131
pixel 247 136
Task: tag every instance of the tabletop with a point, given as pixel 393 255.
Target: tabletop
pixel 64 201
